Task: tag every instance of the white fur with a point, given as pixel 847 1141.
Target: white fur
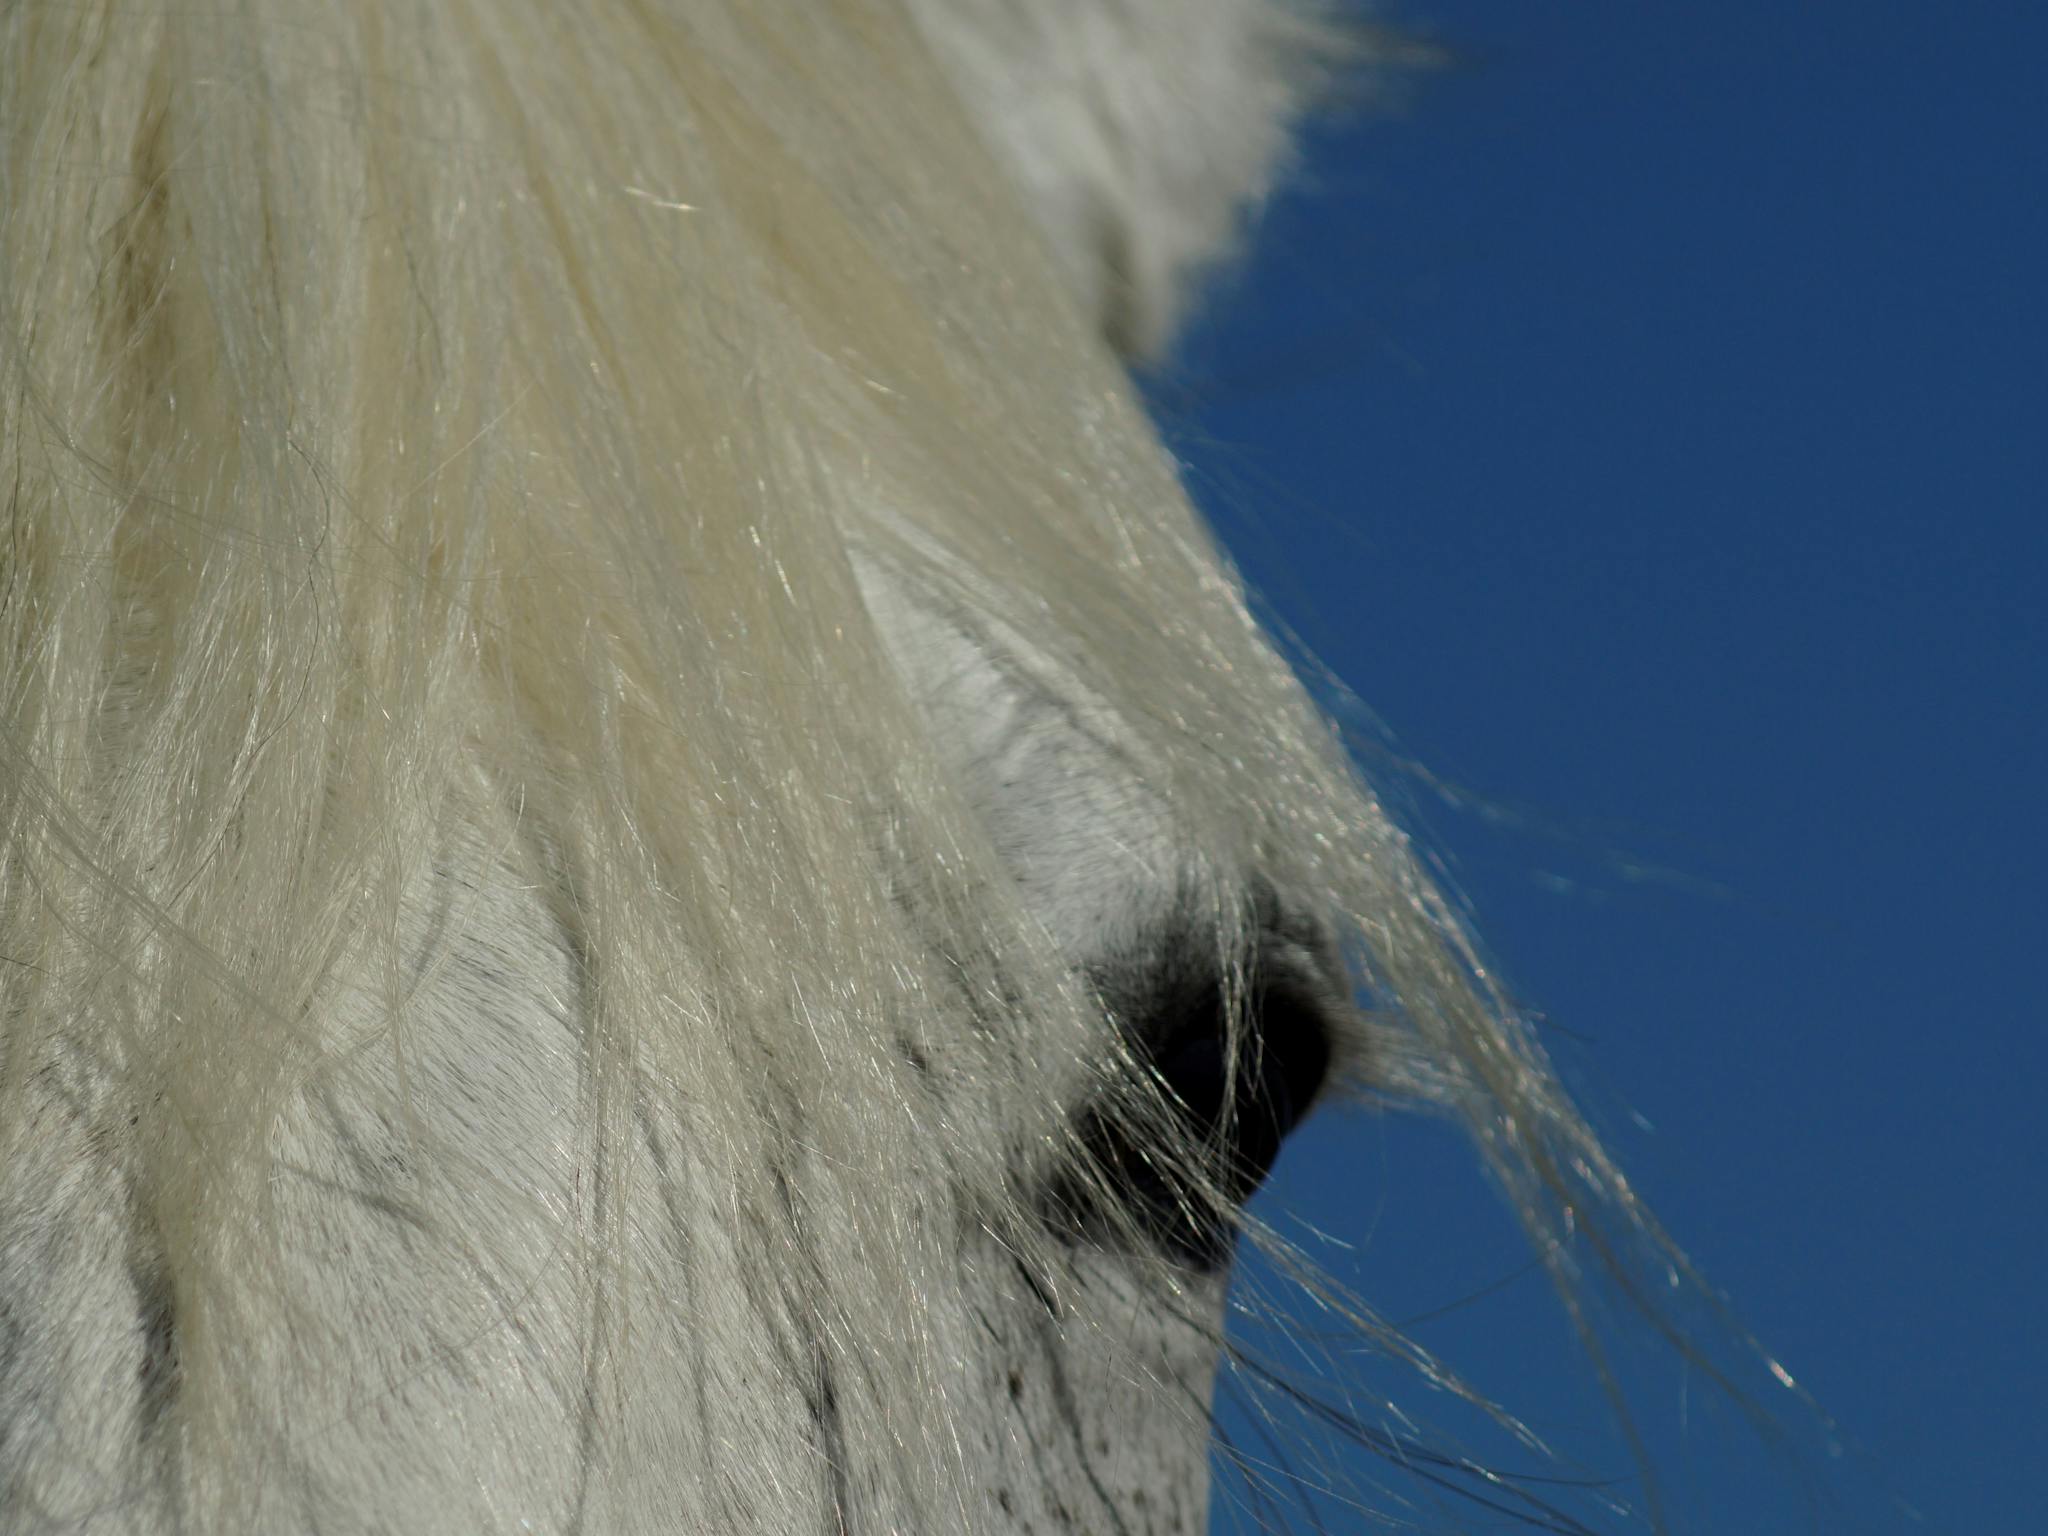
pixel 1141 133
pixel 614 731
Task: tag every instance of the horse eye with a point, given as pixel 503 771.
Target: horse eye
pixel 1233 1107
pixel 1282 1061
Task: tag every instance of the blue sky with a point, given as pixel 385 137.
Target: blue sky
pixel 1649 424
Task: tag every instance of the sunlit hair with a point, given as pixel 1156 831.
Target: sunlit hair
pixel 442 433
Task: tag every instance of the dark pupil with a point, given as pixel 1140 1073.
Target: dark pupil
pixel 1238 1123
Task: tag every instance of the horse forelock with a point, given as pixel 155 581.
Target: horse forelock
pixel 628 779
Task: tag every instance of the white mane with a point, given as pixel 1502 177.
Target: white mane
pixel 617 748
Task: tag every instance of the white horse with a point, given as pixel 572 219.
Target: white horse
pixel 652 879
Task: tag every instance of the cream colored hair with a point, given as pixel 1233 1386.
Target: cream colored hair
pixel 447 451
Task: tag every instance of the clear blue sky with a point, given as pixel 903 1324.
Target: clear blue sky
pixel 1650 426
